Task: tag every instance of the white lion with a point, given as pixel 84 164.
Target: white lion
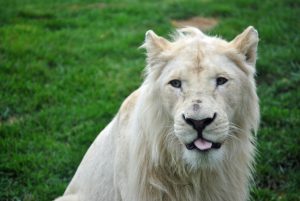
pixel 187 134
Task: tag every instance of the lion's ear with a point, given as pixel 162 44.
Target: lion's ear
pixel 246 44
pixel 155 44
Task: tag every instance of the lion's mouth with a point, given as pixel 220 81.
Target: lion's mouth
pixel 202 144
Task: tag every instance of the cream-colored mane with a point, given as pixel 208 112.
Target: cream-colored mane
pixel 141 155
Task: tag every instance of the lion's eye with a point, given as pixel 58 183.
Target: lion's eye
pixel 175 83
pixel 221 80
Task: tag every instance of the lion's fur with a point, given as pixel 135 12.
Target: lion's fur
pixel 139 158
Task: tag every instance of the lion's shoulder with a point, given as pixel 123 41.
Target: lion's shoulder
pixel 128 106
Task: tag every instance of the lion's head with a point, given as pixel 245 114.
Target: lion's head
pixel 206 88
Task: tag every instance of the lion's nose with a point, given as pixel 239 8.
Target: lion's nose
pixel 199 125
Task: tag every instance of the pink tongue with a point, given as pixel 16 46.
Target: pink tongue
pixel 202 144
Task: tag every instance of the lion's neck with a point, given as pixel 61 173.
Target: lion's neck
pixel 169 183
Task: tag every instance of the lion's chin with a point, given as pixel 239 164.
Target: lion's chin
pixel 206 158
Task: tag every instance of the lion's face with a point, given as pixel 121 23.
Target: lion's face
pixel 201 89
pixel 201 94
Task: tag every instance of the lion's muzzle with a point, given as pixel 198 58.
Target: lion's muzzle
pixel 201 143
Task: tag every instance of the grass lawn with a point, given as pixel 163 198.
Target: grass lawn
pixel 66 66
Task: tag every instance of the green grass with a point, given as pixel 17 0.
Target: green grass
pixel 66 66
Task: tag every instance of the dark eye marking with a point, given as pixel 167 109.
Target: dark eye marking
pixel 175 83
pixel 221 80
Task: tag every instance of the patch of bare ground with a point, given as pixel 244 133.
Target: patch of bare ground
pixel 79 6
pixel 203 23
pixel 11 120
